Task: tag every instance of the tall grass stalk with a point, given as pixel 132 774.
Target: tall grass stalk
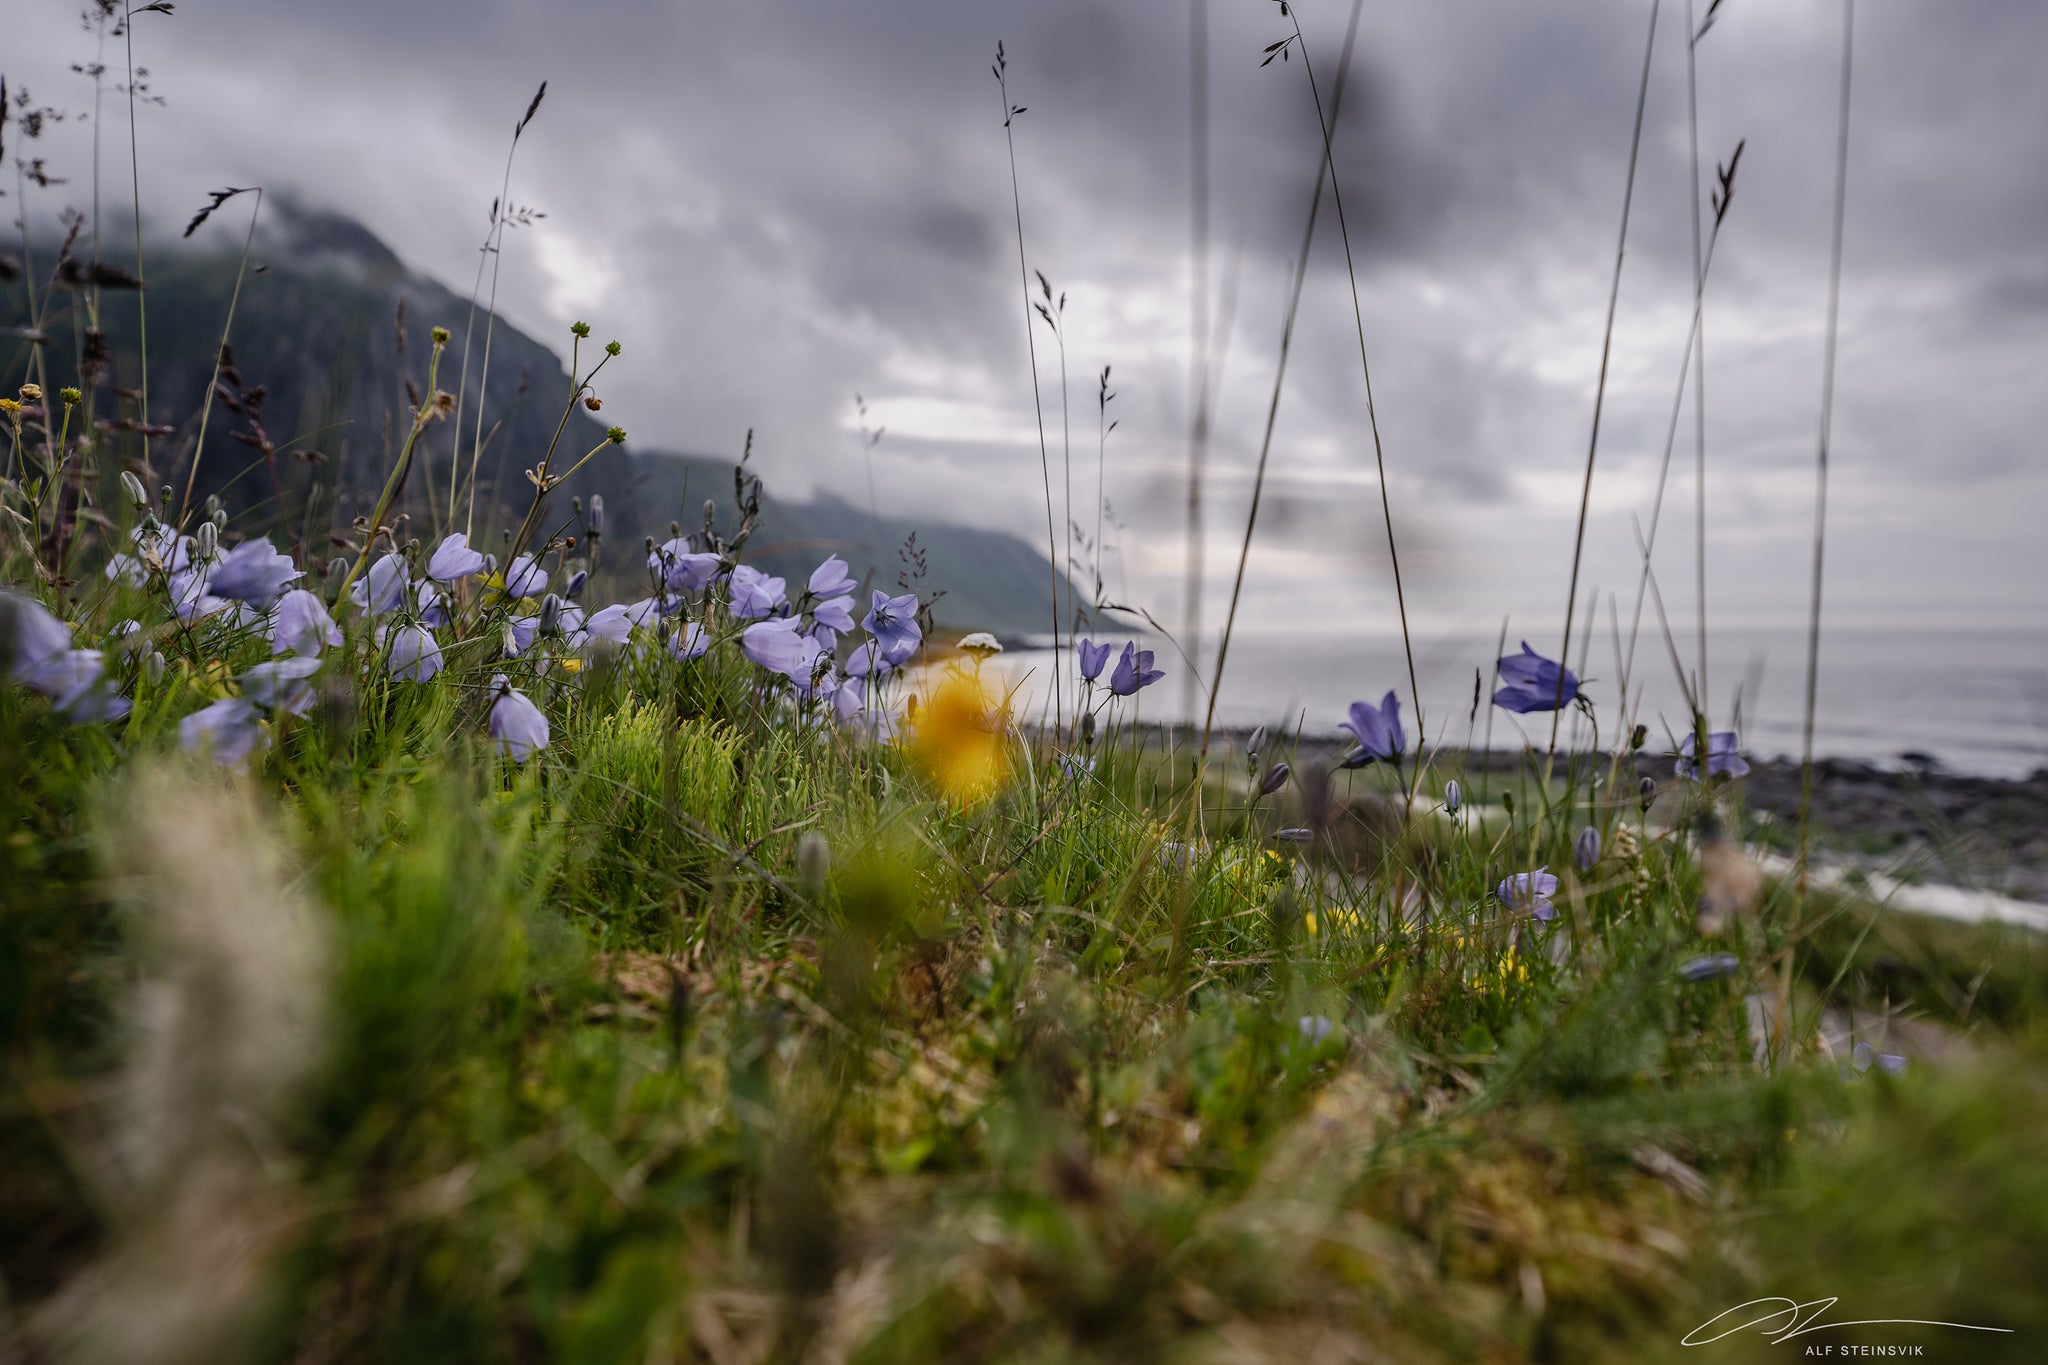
pixel 1198 323
pixel 494 248
pixel 1635 145
pixel 1308 235
pixel 1052 549
pixel 1371 409
pixel 220 351
pixel 1827 414
pixel 141 294
pixel 1699 361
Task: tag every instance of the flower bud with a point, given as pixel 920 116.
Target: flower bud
pixel 550 614
pixel 813 862
pixel 138 496
pixel 205 540
pixel 1255 746
pixel 212 505
pixel 1088 730
pixel 1647 790
pixel 710 513
pixel 1635 740
pixel 1453 796
pixel 71 397
pixel 440 336
pixel 574 587
pixel 220 520
pixel 576 506
pixel 1276 778
pixel 1586 848
pixel 153 665
pixel 595 520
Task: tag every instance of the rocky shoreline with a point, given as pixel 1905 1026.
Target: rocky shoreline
pixel 1919 822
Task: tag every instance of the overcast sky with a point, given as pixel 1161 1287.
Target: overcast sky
pixel 775 205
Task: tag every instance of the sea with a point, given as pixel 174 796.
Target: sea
pixel 1971 701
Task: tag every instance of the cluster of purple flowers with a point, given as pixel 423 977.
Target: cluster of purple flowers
pixel 1133 671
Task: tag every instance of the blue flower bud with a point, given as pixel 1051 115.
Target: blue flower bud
pixel 1453 795
pixel 1586 848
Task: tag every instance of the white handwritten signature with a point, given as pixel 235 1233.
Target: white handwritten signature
pixel 1798 1319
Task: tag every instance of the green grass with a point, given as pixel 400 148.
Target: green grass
pixel 608 1072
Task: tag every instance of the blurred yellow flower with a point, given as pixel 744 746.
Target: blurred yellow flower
pixel 960 739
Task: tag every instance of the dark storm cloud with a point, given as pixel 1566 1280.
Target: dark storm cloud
pixel 777 205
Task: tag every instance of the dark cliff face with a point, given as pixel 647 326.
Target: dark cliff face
pixel 331 334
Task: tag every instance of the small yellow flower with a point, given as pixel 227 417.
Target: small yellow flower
pixel 960 739
pixel 9 406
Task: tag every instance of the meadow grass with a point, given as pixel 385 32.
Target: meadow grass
pixel 756 1008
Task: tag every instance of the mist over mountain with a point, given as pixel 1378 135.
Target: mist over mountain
pixel 329 352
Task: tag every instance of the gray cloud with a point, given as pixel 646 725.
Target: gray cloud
pixel 777 205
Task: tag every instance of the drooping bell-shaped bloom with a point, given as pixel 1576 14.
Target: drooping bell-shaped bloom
pixel 689 642
pixel 253 571
pixel 1454 796
pixel 1377 730
pixel 1723 760
pixel 384 588
pixel 1133 670
pixel 191 595
pixel 281 686
pixel 76 682
pixel 867 660
pixel 453 560
pixel 682 569
pixel 300 624
pixel 518 727
pixel 1586 848
pixel 433 606
pixel 1276 778
pixel 834 614
pixel 616 623
pixel 780 647
pixel 227 731
pixel 1093 657
pixel 525 578
pixel 1863 1056
pixel 33 634
pixel 519 635
pixel 1533 683
pixel 415 656
pixel 893 623
pixel 753 594
pixel 1530 892
pixel 831 579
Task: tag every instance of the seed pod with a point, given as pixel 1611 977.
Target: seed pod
pixel 1088 731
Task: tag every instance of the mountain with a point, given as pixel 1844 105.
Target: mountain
pixel 329 348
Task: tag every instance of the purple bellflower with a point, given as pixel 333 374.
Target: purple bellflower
pixel 1133 671
pixel 384 588
pixel 1093 657
pixel 228 731
pixel 453 560
pixel 253 572
pixel 893 623
pixel 689 642
pixel 281 686
pixel 616 623
pixel 301 624
pixel 519 729
pixel 1722 758
pixel 525 578
pixel 1377 730
pixel 780 647
pixel 831 579
pixel 415 654
pixel 754 595
pixel 1530 891
pixel 433 607
pixel 1532 683
pixel 1708 967
pixel 682 569
pixel 867 659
